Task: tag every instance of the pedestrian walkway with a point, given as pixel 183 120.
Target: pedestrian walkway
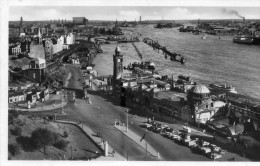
pixel 136 138
pixel 98 141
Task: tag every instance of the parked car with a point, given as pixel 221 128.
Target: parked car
pixel 157 129
pixel 146 125
pixel 215 148
pixel 214 156
pixel 191 143
pixel 205 150
pixel 176 138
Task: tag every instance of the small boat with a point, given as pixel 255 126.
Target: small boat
pixel 243 40
pixel 223 87
pixel 160 26
pixel 204 37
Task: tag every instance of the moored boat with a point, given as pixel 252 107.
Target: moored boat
pixel 243 40
pixel 223 87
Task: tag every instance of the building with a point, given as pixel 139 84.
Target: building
pixel 118 66
pixel 36 69
pixel 18 96
pixel 48 49
pixel 80 21
pixel 25 45
pixel 69 39
pixel 16 50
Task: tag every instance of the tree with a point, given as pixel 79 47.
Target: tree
pixel 42 137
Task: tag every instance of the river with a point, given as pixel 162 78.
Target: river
pixel 212 60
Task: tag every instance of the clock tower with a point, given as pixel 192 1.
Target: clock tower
pixel 118 65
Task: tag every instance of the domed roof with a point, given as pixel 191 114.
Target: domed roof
pixel 200 89
pixel 218 104
pixel 117 49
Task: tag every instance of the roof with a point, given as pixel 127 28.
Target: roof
pixel 218 104
pixel 40 60
pixel 117 49
pixel 200 89
pixel 175 96
pixel 16 93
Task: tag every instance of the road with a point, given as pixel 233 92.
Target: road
pixel 101 115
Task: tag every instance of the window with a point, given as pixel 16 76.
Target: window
pixel 10 100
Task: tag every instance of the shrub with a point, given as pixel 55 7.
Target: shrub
pixel 26 143
pixel 42 137
pixel 56 137
pixel 14 113
pixel 14 149
pixel 61 144
pixel 65 134
pixel 17 131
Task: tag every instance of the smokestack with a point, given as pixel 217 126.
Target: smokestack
pixel 244 20
pixel 140 19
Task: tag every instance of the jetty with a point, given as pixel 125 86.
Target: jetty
pixel 137 50
pixel 156 46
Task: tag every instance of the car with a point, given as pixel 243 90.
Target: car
pixel 214 156
pixel 215 148
pixel 197 149
pixel 146 125
pixel 205 150
pixel 157 129
pixel 191 143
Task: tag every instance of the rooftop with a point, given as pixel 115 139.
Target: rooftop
pixel 174 96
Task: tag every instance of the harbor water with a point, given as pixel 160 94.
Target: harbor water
pixel 210 60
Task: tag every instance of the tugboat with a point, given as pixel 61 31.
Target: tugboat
pixel 224 87
pixel 243 40
pixel 149 65
pixel 177 57
pixel 159 26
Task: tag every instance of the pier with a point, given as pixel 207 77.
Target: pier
pixel 156 46
pixel 137 50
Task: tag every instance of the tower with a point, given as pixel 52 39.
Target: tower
pixel 118 65
pixel 39 36
pixel 140 19
pixel 21 26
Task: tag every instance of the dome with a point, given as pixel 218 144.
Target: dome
pixel 218 104
pixel 200 89
pixel 117 49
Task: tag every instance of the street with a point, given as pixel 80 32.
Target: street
pixel 101 115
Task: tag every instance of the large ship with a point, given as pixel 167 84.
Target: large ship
pixel 224 87
pixel 167 25
pixel 243 40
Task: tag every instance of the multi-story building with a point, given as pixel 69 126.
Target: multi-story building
pixel 48 49
pixel 16 50
pixel 36 69
pixel 69 38
pixel 80 20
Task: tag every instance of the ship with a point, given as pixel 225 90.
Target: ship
pixel 159 26
pixel 168 25
pixel 243 40
pixel 177 57
pixel 224 87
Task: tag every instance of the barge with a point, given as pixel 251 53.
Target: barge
pixel 223 87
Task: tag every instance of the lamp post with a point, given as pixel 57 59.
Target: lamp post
pixel 126 120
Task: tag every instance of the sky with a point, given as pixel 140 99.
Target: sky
pixel 131 13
